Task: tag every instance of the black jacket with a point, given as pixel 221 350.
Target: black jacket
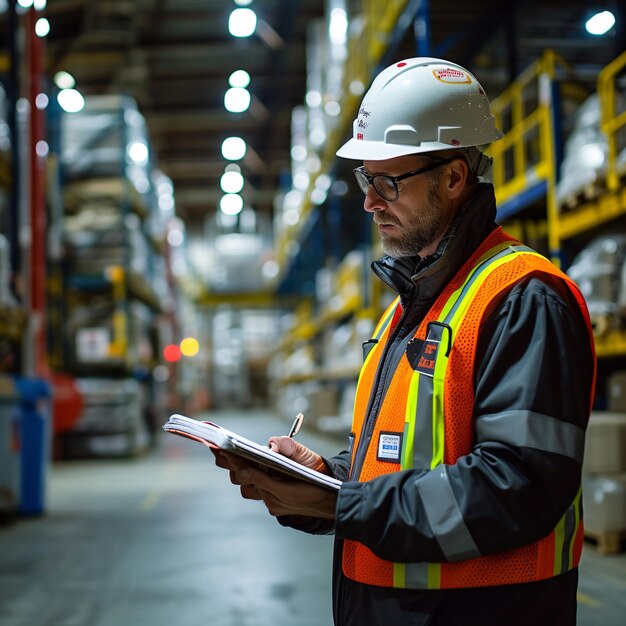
pixel 534 355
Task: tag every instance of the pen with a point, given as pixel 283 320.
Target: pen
pixel 296 426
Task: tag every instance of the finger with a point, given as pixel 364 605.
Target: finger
pixel 223 461
pixel 283 445
pixel 247 476
pixel 250 492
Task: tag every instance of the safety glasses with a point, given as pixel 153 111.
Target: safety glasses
pixel 387 186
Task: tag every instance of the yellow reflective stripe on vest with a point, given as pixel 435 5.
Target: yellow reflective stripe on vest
pixel 465 293
pixel 565 535
pixel 386 318
pixel 417 575
pixel 424 428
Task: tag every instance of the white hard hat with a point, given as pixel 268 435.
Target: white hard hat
pixel 420 105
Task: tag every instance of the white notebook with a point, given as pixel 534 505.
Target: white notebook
pixel 214 435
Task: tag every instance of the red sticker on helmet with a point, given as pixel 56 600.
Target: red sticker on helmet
pixel 452 75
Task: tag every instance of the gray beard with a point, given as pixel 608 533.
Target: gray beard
pixel 420 233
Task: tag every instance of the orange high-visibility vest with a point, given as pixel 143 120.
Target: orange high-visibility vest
pixel 426 421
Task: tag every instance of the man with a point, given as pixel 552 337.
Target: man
pixel 461 500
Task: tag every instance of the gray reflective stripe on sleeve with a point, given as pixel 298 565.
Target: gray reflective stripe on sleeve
pixel 532 430
pixel 444 516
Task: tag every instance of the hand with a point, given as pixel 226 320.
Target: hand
pixel 282 496
pixel 290 448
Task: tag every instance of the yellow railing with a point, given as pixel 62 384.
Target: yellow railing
pixel 526 155
pixel 611 204
pixel 612 120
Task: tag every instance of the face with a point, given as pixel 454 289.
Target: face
pixel 416 221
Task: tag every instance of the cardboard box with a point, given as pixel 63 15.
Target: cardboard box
pixel 616 391
pixel 604 502
pixel 605 444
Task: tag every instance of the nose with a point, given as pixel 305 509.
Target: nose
pixel 373 202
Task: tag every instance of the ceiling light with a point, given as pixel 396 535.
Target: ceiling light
pixel 175 237
pixel 291 217
pixel 318 196
pixel 166 203
pixel 138 152
pixel 298 153
pixel 313 98
pixel 41 101
pixel 338 27
pixel 71 100
pixel 293 199
pixel 231 182
pixel 39 5
pixel 323 181
pixel 42 27
pixel 233 148
pixel 165 187
pixel 231 204
pixel 600 23
pixel 242 22
pixel 237 100
pixel 243 3
pixel 357 87
pixel 42 148
pixel 301 180
pixel 64 80
pixel 25 3
pixel 332 108
pixel 239 78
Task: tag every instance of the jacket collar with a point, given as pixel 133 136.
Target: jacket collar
pixel 423 278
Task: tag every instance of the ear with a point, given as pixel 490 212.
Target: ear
pixel 458 174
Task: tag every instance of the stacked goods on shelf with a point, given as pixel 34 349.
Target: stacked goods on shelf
pixel 107 139
pixel 112 420
pixel 584 166
pixel 100 237
pixel 604 470
pixel 598 269
pixel 115 279
pixel 585 156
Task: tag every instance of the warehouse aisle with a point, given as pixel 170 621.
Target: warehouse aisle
pixel 165 539
pixel 158 541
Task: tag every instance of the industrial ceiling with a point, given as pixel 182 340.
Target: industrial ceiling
pixel 174 57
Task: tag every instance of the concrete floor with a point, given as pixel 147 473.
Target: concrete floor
pixel 165 539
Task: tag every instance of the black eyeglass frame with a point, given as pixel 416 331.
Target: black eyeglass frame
pixel 371 179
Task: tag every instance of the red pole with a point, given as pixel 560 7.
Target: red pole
pixel 38 194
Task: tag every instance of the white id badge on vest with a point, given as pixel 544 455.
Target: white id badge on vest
pixel 389 447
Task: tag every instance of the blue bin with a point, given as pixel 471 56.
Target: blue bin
pixel 34 402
